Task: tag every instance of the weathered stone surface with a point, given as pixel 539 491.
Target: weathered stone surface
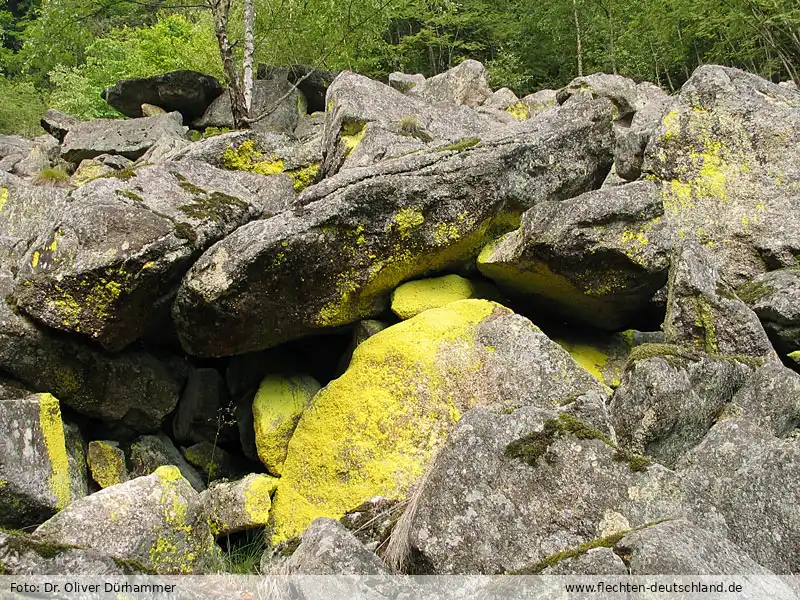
pixel 726 153
pixel 204 412
pixel 150 452
pixel 598 561
pixel 129 138
pixel 187 92
pixel 214 462
pixel 278 405
pixel 37 478
pixel 280 113
pixel 775 298
pixel 771 399
pixel 501 100
pixel 21 554
pixel 156 520
pixel 42 156
pixel 414 297
pixel 465 84
pixel 679 547
pixel 597 258
pixel 124 242
pixel 670 397
pixel 327 548
pixel 540 100
pixel 620 90
pixel 58 124
pixel 107 463
pixel 239 505
pixel 362 233
pixel 704 313
pixel 753 479
pixel 509 491
pixel 373 520
pixel 405 82
pixel 631 139
pixel 404 389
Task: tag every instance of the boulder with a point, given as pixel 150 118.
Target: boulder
pixel 670 397
pixel 187 92
pixel 775 298
pixel 37 477
pixel 703 312
pixel 631 139
pixel 204 412
pixel 414 297
pixel 726 154
pixel 238 505
pixel 596 561
pixel 151 452
pixel 514 491
pixel 278 405
pixel 58 124
pixel 753 479
pixel 128 138
pixel 42 156
pixel 406 386
pixel 276 101
pixel 157 521
pixel 106 462
pixel 123 242
pixel 771 399
pixel 540 100
pixel 466 84
pixel 214 462
pixel 405 82
pixel 622 92
pixel 362 233
pixel 21 554
pixel 597 258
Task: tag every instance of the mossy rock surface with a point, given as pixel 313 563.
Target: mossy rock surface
pixel 414 297
pixel 107 463
pixel 234 506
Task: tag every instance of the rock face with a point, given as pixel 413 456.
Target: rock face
pixel 404 389
pixel 534 483
pixel 187 92
pixel 239 505
pixel 203 413
pixel 151 452
pixel 465 84
pixel 106 462
pixel 367 230
pixel 58 124
pixel 37 478
pixel 156 520
pixel 128 138
pixel 125 242
pixel 414 297
pixel 775 298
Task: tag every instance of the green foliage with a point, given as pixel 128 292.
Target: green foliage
pixel 21 108
pixel 52 176
pixel 242 553
pixel 174 42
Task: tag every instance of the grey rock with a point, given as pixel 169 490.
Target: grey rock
pixel 37 477
pixel 14 145
pixel 501 99
pixel 598 561
pixel 122 243
pixel 465 84
pixel 620 90
pixel 703 312
pixel 496 501
pixel 372 521
pixel 42 156
pixel 631 139
pixel 130 138
pixel 187 92
pixel 156 520
pixel 540 100
pixel 21 554
pixel 151 452
pixel 597 258
pixel 670 398
pixel 367 230
pixel 58 124
pixel 775 298
pixel 234 506
pixel 214 462
pixel 202 410
pixel 752 479
pixel 771 399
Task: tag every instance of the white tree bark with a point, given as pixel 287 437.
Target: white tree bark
pixel 249 51
pixel 578 37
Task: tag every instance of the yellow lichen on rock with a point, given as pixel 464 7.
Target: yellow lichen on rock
pixel 277 407
pixel 257 497
pixel 106 463
pixel 519 111
pixel 3 198
pixel 593 359
pixel 372 431
pixel 414 297
pixel 351 135
pixel 52 428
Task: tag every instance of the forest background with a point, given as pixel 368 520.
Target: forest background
pixel 62 53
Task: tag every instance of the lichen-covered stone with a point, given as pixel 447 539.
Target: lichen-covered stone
pixel 405 82
pixel 775 298
pixel 704 313
pixel 620 90
pixel 150 452
pixel 124 242
pixel 156 520
pixel 362 233
pixel 465 84
pixel 107 463
pixel 631 139
pixel 278 405
pixel 381 422
pixel 511 491
pixel 753 479
pixel 597 258
pixel 204 413
pixel 414 297
pixel 214 462
pixel 57 123
pixel 771 399
pixel 37 478
pixel 239 505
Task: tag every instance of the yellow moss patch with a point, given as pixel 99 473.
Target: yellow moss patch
pixel 302 178
pixel 247 158
pixel 519 111
pixel 3 198
pixel 257 498
pixel 52 428
pixel 795 356
pixel 277 407
pixel 89 172
pixel 406 220
pixel 106 463
pixel 351 135
pixel 592 359
pixel 414 297
pixel 372 431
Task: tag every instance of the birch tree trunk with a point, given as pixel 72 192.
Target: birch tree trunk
pixel 578 37
pixel 221 10
pixel 249 51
